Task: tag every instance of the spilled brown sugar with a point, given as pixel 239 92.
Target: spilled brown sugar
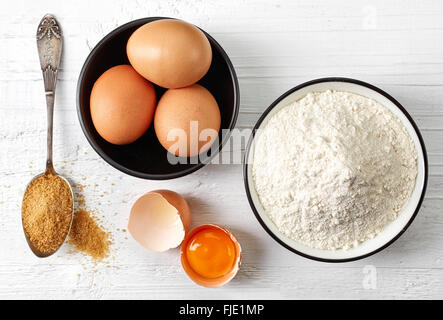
pixel 47 212
pixel 87 236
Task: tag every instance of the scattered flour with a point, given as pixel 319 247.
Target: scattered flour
pixel 333 169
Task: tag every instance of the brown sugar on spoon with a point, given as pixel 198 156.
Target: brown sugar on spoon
pixel 47 212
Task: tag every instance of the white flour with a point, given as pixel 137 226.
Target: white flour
pixel 333 169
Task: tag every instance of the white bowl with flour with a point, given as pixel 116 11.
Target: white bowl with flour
pixel 335 210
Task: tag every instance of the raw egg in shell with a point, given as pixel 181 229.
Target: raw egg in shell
pixel 122 105
pixel 210 255
pixel 187 120
pixel 170 53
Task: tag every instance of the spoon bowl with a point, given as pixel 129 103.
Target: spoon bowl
pixel 33 248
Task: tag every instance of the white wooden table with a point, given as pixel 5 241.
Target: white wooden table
pixel 274 45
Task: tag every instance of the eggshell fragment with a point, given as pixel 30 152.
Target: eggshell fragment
pixel 178 202
pixel 159 220
pixel 204 281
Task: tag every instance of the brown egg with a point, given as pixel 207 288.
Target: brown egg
pixel 122 105
pixel 170 53
pixel 159 220
pixel 187 120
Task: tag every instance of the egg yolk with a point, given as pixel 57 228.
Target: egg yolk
pixel 211 253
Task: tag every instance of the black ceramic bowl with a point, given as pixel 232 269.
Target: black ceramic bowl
pixel 146 158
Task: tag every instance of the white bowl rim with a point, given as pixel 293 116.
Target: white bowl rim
pixel 408 214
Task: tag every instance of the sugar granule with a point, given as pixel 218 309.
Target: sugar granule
pixel 47 212
pixel 87 237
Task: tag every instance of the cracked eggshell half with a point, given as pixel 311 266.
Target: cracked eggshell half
pixel 159 220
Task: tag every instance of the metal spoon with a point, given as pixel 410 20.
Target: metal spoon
pixel 49 44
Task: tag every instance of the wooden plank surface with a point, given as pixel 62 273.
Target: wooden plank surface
pixel 274 45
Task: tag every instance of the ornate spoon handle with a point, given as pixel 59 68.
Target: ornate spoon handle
pixel 49 45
